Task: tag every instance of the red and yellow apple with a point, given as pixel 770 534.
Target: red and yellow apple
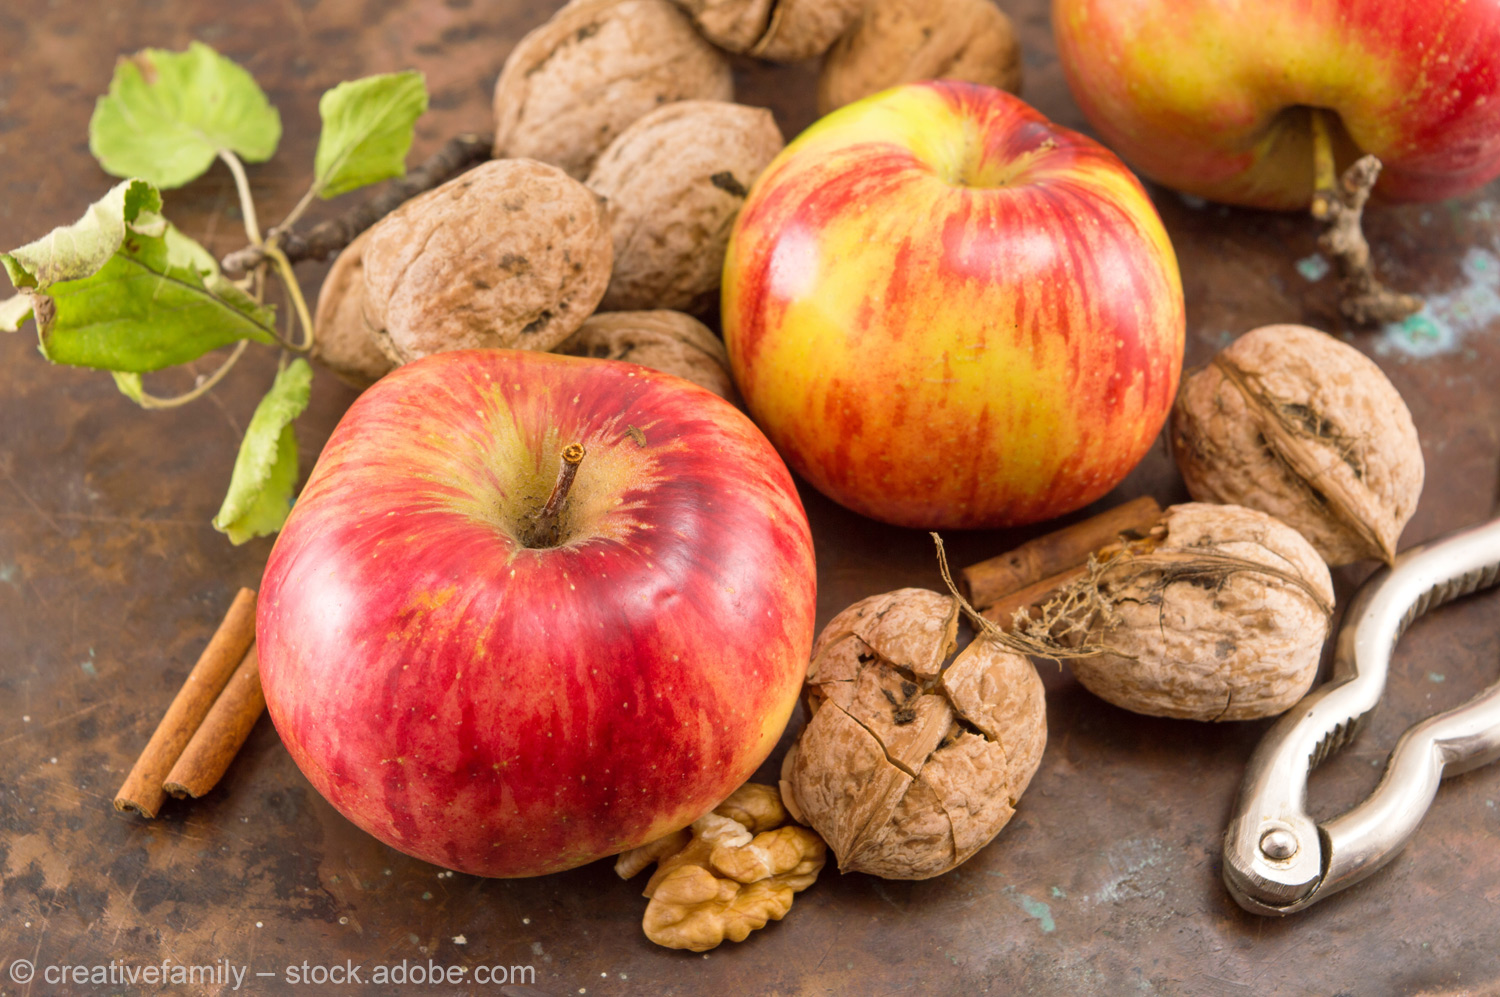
pixel 477 695
pixel 1214 97
pixel 946 311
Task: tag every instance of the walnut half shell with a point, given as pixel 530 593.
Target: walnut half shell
pixel 912 759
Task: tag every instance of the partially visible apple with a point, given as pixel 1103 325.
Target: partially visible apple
pixel 947 311
pixel 483 698
pixel 1213 97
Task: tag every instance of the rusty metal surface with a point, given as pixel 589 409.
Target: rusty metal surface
pixel 1106 882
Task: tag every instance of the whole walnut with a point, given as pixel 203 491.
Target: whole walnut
pixel 576 82
pixel 667 341
pixel 902 41
pixel 777 30
pixel 343 343
pixel 912 758
pixel 1291 421
pixel 1220 614
pixel 512 254
pixel 676 180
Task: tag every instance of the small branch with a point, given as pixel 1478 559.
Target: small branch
pixel 544 526
pixel 327 238
pixel 247 203
pixel 1340 206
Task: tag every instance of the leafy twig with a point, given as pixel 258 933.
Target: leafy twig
pixel 327 238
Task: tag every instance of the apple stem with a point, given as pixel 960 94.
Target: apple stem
pixel 1339 203
pixel 544 528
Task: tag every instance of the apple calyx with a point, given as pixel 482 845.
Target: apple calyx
pixel 544 525
pixel 1339 203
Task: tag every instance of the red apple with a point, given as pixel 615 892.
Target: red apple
pixel 489 703
pixel 1212 97
pixel 947 311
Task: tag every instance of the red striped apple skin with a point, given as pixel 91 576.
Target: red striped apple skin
pixel 508 711
pixel 1207 96
pixel 946 311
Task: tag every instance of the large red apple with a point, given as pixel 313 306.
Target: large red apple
pixel 946 311
pixel 1213 97
pixel 490 703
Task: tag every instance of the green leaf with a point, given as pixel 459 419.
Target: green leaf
pixel 168 114
pixel 121 290
pixel 187 253
pixel 130 386
pixel 14 311
pixel 265 473
pixel 367 131
pixel 71 252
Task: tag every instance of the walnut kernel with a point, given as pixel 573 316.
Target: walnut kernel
pixel 512 254
pixel 902 41
pixel 727 875
pixel 676 180
pixel 579 80
pixel 1293 422
pixel 912 759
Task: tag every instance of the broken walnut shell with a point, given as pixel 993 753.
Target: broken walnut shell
pixel 513 254
pixel 676 180
pixel 775 30
pixel 1220 614
pixel 569 87
pixel 1293 422
pixel 343 342
pixel 912 758
pixel 902 41
pixel 667 341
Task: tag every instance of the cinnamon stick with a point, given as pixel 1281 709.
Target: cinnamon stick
pixel 207 756
pixel 1004 611
pixel 142 791
pixel 1054 553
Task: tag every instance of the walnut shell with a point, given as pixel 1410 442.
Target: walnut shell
pixel 512 254
pixel 902 41
pixel 1291 421
pixel 776 30
pixel 576 82
pixel 343 343
pixel 676 180
pixel 1198 631
pixel 912 759
pixel 670 342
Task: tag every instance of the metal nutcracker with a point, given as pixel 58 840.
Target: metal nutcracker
pixel 1276 860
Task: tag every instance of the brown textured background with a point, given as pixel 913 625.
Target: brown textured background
pixel 1107 881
